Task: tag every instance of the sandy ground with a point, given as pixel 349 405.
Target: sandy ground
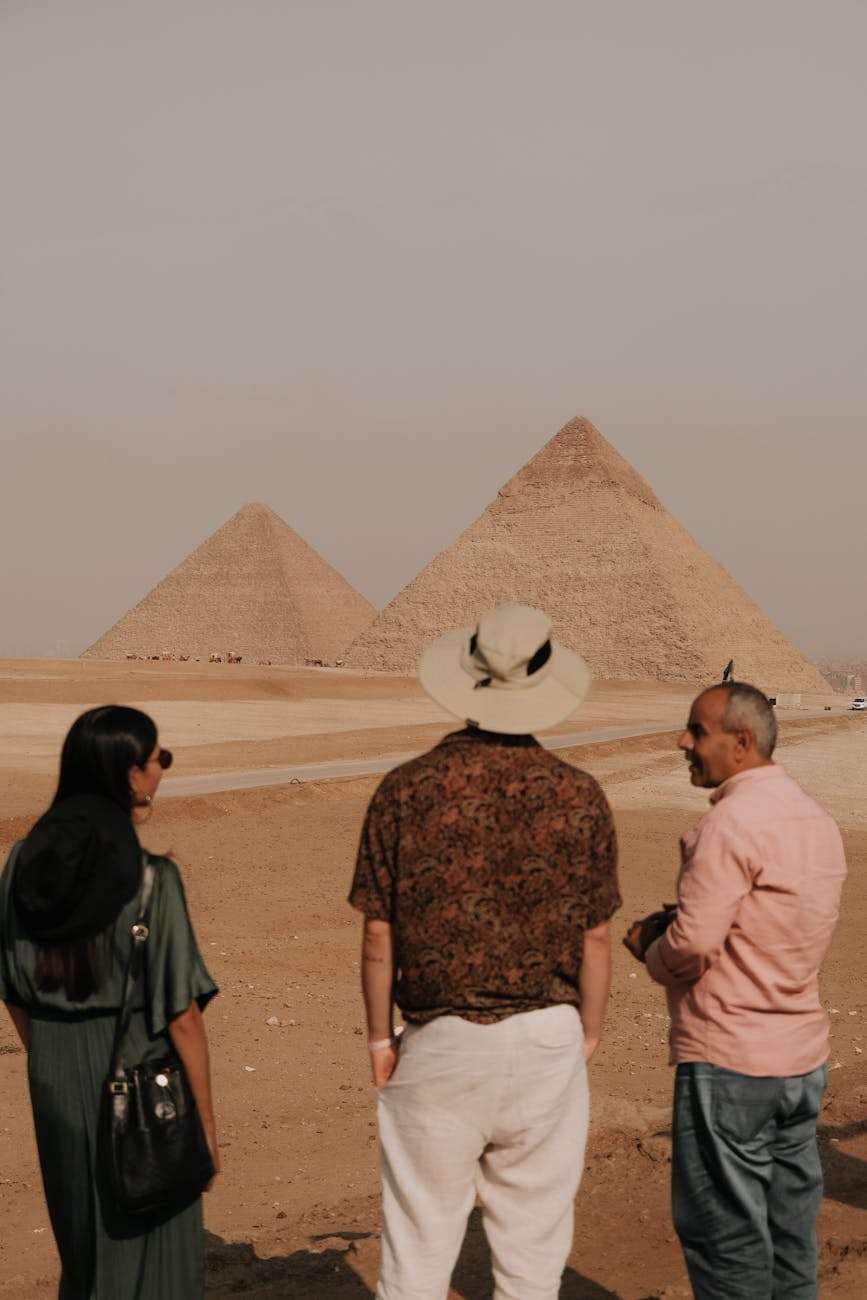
pixel 295 1212
pixel 220 717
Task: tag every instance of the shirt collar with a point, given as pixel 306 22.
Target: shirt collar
pixel 769 772
pixel 478 736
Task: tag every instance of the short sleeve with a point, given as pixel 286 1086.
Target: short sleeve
pixel 176 973
pixel 603 892
pixel 372 889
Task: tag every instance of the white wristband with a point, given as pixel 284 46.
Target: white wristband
pixel 379 1044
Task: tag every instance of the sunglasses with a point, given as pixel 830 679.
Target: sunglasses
pixel 164 758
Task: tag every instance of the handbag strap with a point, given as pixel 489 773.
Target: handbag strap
pixel 139 931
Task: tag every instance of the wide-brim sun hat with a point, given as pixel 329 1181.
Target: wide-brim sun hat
pixel 506 674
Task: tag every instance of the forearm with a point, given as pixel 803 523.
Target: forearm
pixel 595 982
pixel 668 970
pixel 377 979
pixel 715 878
pixel 689 946
pixel 187 1032
pixel 21 1021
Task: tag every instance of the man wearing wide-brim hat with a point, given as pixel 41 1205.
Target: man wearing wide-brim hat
pixel 487 875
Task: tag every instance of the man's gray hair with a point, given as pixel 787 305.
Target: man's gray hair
pixel 749 709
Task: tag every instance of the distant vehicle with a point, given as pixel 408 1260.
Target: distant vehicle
pixel 859 702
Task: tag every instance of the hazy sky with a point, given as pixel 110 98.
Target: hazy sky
pixel 359 261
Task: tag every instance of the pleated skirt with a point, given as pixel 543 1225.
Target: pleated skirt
pixel 105 1254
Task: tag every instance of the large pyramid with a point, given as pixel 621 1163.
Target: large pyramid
pixel 253 588
pixel 578 533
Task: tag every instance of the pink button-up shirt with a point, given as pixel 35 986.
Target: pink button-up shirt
pixel 757 900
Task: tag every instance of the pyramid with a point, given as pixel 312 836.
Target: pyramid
pixel 578 533
pixel 253 588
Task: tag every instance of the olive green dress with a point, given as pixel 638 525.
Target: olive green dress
pixel 106 1254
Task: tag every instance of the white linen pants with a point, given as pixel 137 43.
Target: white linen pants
pixel 499 1112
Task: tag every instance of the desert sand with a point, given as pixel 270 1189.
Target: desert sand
pixel 295 1212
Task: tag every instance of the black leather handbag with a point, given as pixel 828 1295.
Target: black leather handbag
pixel 152 1149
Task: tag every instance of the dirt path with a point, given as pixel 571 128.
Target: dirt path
pixel 254 778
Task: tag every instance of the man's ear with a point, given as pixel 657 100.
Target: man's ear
pixel 746 740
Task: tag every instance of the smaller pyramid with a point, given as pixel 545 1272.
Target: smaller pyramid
pixel 253 588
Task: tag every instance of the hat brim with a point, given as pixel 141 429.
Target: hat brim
pixel 509 711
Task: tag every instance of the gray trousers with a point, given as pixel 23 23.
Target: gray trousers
pixel 747 1182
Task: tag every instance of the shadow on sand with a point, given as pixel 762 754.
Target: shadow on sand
pixel 845 1175
pixel 324 1272
pixel 329 1274
pixel 473 1279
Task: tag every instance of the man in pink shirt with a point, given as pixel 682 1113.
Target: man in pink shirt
pixel 757 899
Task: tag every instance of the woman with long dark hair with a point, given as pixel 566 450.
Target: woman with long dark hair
pixel 68 897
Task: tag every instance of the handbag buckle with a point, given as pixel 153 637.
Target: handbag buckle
pixel 118 1087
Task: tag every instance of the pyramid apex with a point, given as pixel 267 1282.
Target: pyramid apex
pixel 253 508
pixel 579 432
pixel 257 513
pixel 578 453
pixel 579 426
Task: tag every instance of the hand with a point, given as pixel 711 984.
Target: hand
pixel 211 1139
pixel 632 940
pixel 641 934
pixel 383 1063
pixel 590 1045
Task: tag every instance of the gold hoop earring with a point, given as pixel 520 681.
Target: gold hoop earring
pixel 142 808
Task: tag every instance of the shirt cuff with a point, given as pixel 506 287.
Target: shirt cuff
pixel 655 962
pixel 371 908
pixel 603 913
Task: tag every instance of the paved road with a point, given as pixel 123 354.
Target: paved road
pixel 247 780
pixel 252 778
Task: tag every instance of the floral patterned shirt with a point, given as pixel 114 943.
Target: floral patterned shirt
pixel 490 857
